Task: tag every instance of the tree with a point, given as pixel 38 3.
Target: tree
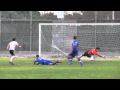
pixel 10 15
pixel 20 15
pixel 49 16
pixel 36 15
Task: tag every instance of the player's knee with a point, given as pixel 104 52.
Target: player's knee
pixel 77 57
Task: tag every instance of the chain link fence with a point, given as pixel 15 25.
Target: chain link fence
pixel 26 32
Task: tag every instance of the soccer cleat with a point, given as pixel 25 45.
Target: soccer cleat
pixel 11 63
pixel 70 63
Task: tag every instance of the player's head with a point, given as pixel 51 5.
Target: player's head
pixel 74 37
pixel 98 48
pixel 37 56
pixel 13 39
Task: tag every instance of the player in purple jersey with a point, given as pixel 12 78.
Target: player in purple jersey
pixel 42 61
pixel 74 51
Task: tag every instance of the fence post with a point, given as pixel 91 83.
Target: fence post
pixel 30 30
pixel 0 32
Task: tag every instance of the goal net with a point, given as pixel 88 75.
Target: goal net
pixel 103 35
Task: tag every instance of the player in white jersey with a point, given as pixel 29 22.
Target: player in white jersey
pixel 11 47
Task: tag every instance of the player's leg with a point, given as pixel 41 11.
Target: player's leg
pixel 59 61
pixel 52 63
pixel 55 62
pixel 70 59
pixel 12 57
pixel 71 56
pixel 48 62
pixel 92 58
pixel 78 58
pixel 84 54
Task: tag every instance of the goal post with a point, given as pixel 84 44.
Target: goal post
pixel 89 35
pixel 39 40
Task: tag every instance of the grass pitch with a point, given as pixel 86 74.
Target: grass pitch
pixel 24 69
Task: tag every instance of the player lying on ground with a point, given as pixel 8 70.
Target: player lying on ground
pixel 42 61
pixel 91 52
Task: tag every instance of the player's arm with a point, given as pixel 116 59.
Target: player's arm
pixel 101 56
pixel 73 45
pixel 97 53
pixel 17 45
pixel 35 62
pixel 8 46
pixel 38 63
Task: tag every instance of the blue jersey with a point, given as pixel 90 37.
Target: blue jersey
pixel 40 60
pixel 43 61
pixel 75 45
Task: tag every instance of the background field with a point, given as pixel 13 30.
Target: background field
pixel 24 69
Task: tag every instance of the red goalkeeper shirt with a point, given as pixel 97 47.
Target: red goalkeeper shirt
pixel 93 51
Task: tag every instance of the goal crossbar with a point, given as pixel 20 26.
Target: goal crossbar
pixel 79 24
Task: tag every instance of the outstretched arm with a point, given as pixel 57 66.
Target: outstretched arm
pixel 34 62
pixel 101 56
pixel 8 46
pixel 38 63
pixel 18 45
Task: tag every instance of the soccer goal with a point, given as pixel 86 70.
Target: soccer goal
pixel 55 38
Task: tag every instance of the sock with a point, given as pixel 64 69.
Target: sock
pixel 92 58
pixel 79 60
pixel 11 59
pixel 70 60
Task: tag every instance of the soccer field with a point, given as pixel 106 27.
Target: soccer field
pixel 24 69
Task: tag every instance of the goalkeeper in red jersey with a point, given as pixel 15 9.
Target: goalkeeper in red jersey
pixel 91 52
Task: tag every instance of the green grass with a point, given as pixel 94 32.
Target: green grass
pixel 24 69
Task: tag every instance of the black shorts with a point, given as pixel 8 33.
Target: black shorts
pixel 86 54
pixel 12 52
